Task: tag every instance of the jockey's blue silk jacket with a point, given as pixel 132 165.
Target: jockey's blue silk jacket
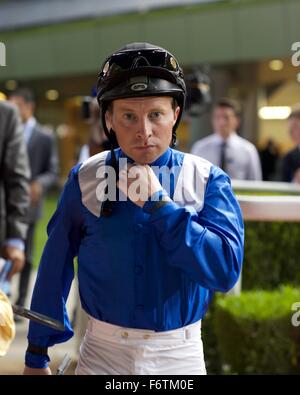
pixel 153 268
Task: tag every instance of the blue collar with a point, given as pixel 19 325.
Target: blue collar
pixel 163 160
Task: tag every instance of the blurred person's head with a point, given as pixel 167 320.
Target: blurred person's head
pixel 225 117
pixel 23 98
pixel 294 125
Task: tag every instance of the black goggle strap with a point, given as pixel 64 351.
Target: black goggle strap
pixel 107 205
pixel 140 61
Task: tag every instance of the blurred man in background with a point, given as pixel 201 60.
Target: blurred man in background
pixel 14 193
pixel 291 162
pixel 44 172
pixel 224 148
pixel 14 202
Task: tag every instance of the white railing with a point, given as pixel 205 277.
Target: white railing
pixel 266 186
pixel 270 208
pixel 267 208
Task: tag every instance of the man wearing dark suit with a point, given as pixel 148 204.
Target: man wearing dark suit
pixel 291 162
pixel 14 187
pixel 44 172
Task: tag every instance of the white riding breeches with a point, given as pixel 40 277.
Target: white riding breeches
pixel 114 350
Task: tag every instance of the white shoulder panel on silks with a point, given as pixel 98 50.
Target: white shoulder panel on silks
pixel 91 178
pixel 189 190
pixel 192 181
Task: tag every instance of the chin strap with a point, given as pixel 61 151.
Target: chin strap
pixel 107 205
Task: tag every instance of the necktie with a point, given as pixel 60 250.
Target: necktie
pixel 223 156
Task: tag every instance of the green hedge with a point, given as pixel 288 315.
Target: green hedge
pixel 40 236
pixel 271 259
pixel 271 255
pixel 255 333
pixel 210 342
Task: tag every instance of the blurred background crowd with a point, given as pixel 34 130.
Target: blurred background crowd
pixel 241 49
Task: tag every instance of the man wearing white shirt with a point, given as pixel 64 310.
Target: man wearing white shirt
pixel 224 148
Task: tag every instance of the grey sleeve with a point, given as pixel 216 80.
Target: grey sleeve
pixel 16 175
